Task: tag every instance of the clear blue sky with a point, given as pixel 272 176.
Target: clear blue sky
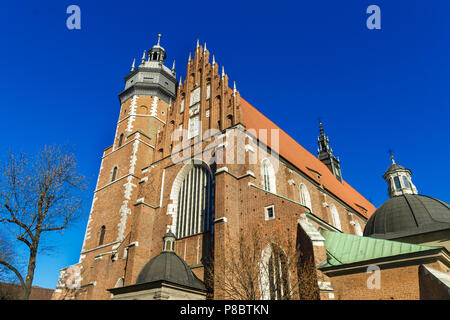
pixel 295 61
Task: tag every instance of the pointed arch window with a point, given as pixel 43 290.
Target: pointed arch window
pixel 274 274
pixel 335 217
pixel 305 198
pixel 195 203
pixel 268 176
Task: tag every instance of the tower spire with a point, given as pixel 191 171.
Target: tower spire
pixel 143 57
pixel 132 66
pixel 326 154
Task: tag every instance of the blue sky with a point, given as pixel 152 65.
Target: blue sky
pixel 295 61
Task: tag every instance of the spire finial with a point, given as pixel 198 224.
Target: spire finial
pixel 214 61
pixel 143 57
pixel 321 128
pixel 198 43
pixel 189 57
pixel 204 48
pixel 234 88
pixel 391 156
pixel 223 72
pixel 181 81
pixel 132 66
pixel 173 65
pixel 159 38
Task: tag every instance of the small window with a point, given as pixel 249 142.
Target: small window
pixel 120 140
pixel 269 212
pixel 182 106
pixel 397 183
pixel 405 182
pixel 114 174
pixel 102 235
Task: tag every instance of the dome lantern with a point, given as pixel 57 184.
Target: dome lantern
pixel 399 180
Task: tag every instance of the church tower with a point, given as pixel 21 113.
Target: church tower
pixel 326 154
pixel 150 88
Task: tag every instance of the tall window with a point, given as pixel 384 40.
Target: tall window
pixel 102 235
pixel 274 274
pixel 268 176
pixel 397 183
pixel 335 217
pixel 195 203
pixel 114 174
pixel 305 199
pixel 405 182
pixel 120 139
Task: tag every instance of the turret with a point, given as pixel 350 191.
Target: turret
pixel 151 77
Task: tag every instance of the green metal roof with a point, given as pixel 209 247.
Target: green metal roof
pixel 345 248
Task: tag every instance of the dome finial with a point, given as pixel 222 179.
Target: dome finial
pixel 159 38
pixel 391 156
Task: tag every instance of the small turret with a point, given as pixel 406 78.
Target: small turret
pixel 399 180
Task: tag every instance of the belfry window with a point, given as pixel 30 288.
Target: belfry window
pixel 195 203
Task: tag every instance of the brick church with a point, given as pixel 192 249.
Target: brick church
pixel 201 196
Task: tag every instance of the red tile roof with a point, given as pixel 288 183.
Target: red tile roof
pixel 293 152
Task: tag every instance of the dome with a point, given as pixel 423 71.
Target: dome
pixel 408 215
pixel 395 166
pixel 167 266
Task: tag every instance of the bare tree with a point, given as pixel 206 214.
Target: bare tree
pixel 38 194
pixel 263 266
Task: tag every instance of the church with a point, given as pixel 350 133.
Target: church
pixel 200 196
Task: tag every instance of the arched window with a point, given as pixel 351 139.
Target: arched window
pixel 274 274
pixel 114 174
pixel 397 183
pixel 195 203
pixel 405 182
pixel 120 140
pixel 102 235
pixel 268 176
pixel 305 199
pixel 335 217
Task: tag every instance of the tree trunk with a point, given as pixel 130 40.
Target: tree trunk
pixel 26 290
